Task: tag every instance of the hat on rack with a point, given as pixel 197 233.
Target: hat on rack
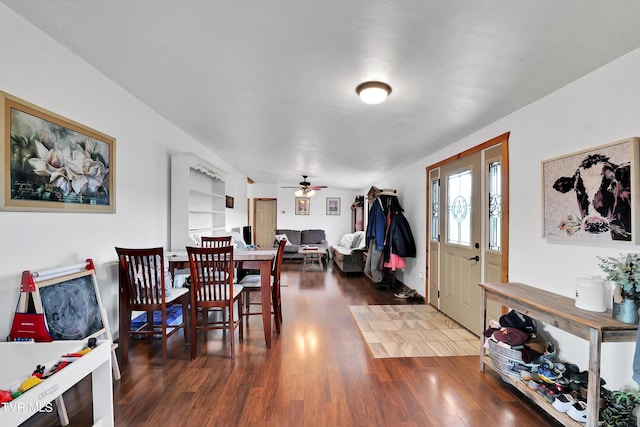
pixel 387 192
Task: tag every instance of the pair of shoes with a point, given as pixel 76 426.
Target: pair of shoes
pixel 578 379
pixel 527 375
pixel 547 391
pixel 548 375
pixel 416 299
pixel 611 418
pixel 563 402
pixel 405 294
pixel 578 411
pixel 624 402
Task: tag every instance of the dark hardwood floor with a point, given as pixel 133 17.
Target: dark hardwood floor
pixel 319 372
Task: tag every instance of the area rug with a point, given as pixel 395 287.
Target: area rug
pixel 417 330
pixel 174 315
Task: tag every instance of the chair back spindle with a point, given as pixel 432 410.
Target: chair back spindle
pixel 215 242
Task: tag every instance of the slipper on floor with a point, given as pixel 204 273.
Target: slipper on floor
pixel 406 294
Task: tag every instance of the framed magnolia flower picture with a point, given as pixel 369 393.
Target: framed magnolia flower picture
pixel 592 195
pixel 52 163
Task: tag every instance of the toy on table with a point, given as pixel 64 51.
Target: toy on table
pixel 42 373
pixel 5 396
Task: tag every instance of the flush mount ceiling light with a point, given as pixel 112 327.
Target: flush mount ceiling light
pixel 373 92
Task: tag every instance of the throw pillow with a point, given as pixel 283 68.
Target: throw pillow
pixel 346 240
pixel 357 240
pixel 284 237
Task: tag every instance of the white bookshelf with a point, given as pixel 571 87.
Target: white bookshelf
pixel 197 200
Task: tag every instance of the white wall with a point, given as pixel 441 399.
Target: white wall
pixel 599 108
pixel 38 70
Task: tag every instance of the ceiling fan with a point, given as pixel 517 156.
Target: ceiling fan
pixel 305 189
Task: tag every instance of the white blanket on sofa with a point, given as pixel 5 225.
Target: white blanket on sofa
pixel 349 242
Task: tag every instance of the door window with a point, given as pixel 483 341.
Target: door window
pixel 435 222
pixel 459 208
pixel 495 202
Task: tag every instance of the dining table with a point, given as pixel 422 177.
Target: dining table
pixel 251 259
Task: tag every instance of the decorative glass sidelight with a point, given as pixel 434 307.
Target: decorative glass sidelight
pixel 459 208
pixel 435 218
pixel 495 206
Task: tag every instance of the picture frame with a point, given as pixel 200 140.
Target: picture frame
pixel 333 205
pixel 303 205
pixel 590 195
pixel 229 202
pixel 53 164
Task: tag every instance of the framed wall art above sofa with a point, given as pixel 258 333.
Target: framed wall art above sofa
pixel 333 205
pixel 303 205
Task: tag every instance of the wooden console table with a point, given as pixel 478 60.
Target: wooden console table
pixel 560 312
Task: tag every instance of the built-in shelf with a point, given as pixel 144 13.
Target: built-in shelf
pixel 207 193
pixel 197 200
pixel 206 212
pixel 199 230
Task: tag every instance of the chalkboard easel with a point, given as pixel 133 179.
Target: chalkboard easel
pixel 62 304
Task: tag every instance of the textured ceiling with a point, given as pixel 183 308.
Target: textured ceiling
pixel 270 85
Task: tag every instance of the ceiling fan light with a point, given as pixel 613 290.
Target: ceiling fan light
pixel 311 193
pixel 373 92
pixel 299 193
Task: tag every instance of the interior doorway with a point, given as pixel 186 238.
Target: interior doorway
pixel 468 230
pixel 264 221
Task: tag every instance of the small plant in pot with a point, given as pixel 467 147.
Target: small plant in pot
pixel 624 271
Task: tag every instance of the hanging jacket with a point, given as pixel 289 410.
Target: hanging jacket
pixel 377 225
pixel 400 239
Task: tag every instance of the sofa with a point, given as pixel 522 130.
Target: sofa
pixel 298 238
pixel 348 254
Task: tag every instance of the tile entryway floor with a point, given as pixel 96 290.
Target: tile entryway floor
pixel 412 331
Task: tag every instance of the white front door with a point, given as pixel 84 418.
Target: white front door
pixel 466 239
pixel 460 240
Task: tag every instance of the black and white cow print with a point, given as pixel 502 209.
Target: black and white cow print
pixel 603 193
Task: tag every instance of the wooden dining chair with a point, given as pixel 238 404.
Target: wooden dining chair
pixel 212 288
pixel 143 287
pixel 251 284
pixel 215 242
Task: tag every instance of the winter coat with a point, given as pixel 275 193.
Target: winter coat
pixel 400 239
pixel 377 225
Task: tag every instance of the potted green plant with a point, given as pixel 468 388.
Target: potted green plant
pixel 624 272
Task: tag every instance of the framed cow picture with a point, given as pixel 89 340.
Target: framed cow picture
pixel 591 195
